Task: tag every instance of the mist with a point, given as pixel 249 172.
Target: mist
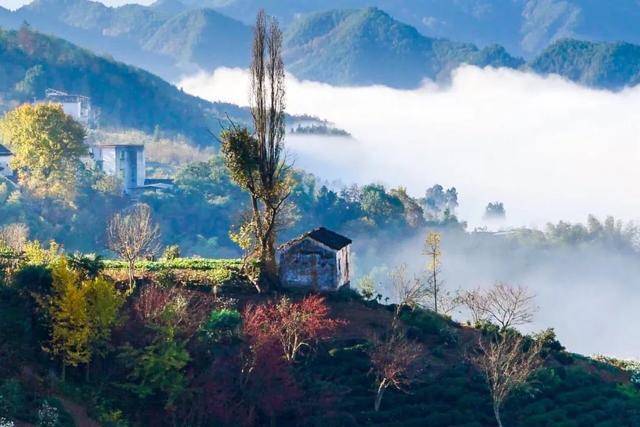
pixel 547 148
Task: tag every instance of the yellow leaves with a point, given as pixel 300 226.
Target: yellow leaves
pixel 71 330
pixel 432 250
pixel 47 145
pixel 82 312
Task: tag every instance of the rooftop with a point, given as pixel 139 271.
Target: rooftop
pixel 4 151
pixel 325 236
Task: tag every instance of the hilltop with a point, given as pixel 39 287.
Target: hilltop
pixel 371 45
pixel 367 46
pixel 608 65
pixel 523 27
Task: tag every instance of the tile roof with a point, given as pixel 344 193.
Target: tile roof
pixel 322 235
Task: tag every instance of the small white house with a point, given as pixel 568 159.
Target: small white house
pixel 77 106
pixel 125 161
pixel 5 157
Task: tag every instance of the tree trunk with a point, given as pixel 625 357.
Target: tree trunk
pixel 435 285
pixel 64 371
pixel 132 266
pixel 381 388
pixel 496 412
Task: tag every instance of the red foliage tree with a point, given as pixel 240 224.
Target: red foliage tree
pixel 292 324
pixel 182 310
pixel 248 387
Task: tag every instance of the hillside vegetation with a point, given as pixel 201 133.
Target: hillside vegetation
pixel 396 45
pixel 367 46
pixel 610 65
pixel 171 358
pixel 124 96
pixel 524 27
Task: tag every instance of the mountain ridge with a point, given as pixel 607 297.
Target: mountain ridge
pixel 357 46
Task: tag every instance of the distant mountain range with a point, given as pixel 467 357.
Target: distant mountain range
pixel 367 46
pixel 360 46
pixel 523 27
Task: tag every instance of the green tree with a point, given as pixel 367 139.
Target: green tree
pixel 256 161
pixel 47 145
pixel 158 369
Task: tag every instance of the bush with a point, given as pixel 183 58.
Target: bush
pixel 171 252
pixel 425 323
pixel 13 401
pixel 222 324
pixel 34 278
pixel 89 266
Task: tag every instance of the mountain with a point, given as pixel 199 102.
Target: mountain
pixel 606 65
pixel 367 46
pixel 172 38
pixel 192 37
pixel 126 97
pixel 524 27
pixel 166 38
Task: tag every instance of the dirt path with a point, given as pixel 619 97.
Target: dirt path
pixel 78 413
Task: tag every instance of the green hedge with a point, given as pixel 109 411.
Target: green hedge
pixel 201 264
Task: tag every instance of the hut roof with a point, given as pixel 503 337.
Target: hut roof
pixel 325 236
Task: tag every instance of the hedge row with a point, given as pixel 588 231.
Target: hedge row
pixel 201 264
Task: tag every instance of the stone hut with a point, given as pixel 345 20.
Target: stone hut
pixel 319 259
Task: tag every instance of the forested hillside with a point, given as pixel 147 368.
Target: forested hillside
pixel 609 65
pixel 367 46
pixel 124 96
pixel 524 27
pixel 396 45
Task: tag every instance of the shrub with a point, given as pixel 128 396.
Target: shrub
pixel 425 323
pixel 171 252
pixel 166 278
pixel 89 265
pixel 13 401
pixel 34 279
pixel 48 415
pixel 222 324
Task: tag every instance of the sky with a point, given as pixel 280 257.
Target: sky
pixel 14 4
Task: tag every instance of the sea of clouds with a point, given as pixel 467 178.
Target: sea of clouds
pixel 548 148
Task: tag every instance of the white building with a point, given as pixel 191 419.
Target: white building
pixel 5 156
pixel 125 161
pixel 77 106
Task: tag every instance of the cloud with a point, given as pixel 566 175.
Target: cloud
pixel 549 149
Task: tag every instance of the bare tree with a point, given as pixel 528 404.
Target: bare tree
pixel 505 305
pixel 14 236
pixel 507 363
pixel 434 255
pixel 133 235
pixel 475 302
pixel 256 161
pixel 408 291
pixel 509 306
pixel 396 362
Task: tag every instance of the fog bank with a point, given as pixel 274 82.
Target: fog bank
pixel 549 149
